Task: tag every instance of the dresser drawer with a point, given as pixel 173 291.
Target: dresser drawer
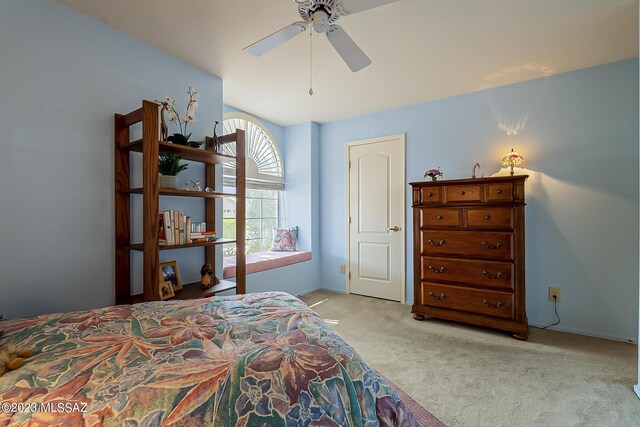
pixel 499 192
pixel 430 195
pixel 493 274
pixel 441 217
pixel 463 193
pixel 489 217
pixel 480 301
pixel 481 244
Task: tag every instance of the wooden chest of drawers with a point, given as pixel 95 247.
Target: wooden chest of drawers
pixel 468 252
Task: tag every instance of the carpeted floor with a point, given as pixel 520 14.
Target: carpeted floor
pixel 469 376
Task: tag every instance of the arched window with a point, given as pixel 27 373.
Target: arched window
pixel 264 166
pixel 265 181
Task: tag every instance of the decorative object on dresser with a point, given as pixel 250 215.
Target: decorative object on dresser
pixel 473 171
pixel 434 174
pixel 468 257
pixel 512 159
pixel 150 146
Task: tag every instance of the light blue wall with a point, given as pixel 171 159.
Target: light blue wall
pixel 276 130
pixel 62 77
pixel 299 146
pixel 579 135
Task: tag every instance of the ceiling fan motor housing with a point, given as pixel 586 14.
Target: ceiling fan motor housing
pixel 320 13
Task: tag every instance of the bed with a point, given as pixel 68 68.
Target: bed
pixel 262 359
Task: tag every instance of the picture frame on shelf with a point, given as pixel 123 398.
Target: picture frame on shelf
pixel 169 273
pixel 166 290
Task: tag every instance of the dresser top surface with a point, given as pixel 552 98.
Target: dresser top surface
pixel 466 181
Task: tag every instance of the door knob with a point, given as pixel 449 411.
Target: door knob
pixel 394 228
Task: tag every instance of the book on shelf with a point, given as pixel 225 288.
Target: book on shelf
pixel 178 229
pixel 176 225
pixel 168 228
pixel 203 236
pixel 181 236
pixel 162 235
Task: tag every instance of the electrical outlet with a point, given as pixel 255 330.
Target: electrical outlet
pixel 557 292
pixel 342 268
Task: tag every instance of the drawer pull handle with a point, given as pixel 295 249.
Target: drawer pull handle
pixel 462 193
pixel 488 246
pixel 492 276
pixel 440 297
pixel 429 194
pixel 487 217
pixel 498 191
pixel 439 217
pixel 488 304
pixel 432 243
pixel 436 270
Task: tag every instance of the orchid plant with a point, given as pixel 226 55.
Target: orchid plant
pixel 183 123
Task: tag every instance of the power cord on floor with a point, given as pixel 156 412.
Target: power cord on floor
pixel 555 308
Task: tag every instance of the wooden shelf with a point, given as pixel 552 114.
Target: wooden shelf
pixel 188 291
pixel 193 290
pixel 187 153
pixel 150 190
pixel 219 241
pixel 182 193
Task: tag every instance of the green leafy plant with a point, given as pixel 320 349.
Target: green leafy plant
pixel 180 139
pixel 169 164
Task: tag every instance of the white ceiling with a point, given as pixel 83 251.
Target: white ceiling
pixel 421 49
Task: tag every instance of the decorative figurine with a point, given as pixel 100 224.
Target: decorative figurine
pixel 216 144
pixel 208 280
pixel 473 171
pixel 164 129
pixel 190 185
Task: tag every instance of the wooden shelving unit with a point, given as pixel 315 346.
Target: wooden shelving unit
pixel 150 147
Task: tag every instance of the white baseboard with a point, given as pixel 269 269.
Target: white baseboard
pixel 586 333
pixel 337 291
pixel 308 291
pixel 636 388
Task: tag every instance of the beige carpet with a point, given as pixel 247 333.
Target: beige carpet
pixel 469 376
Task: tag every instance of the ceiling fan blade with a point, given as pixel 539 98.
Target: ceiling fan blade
pixel 354 6
pixel 355 58
pixel 276 39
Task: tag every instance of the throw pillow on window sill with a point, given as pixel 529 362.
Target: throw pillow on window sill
pixel 284 239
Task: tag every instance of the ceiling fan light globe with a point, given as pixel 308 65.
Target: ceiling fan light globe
pixel 320 20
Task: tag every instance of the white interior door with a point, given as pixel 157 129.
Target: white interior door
pixel 376 212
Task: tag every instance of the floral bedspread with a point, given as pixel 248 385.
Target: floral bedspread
pixel 262 359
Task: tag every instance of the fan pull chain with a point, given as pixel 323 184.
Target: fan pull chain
pixel 310 60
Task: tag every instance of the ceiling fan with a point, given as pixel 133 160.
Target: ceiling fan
pixel 321 15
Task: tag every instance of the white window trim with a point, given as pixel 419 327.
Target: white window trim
pixel 278 182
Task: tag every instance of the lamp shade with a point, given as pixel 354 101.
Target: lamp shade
pixel 512 159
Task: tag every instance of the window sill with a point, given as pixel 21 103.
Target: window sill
pixel 262 261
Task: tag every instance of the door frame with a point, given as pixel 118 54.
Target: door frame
pixel 402 138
